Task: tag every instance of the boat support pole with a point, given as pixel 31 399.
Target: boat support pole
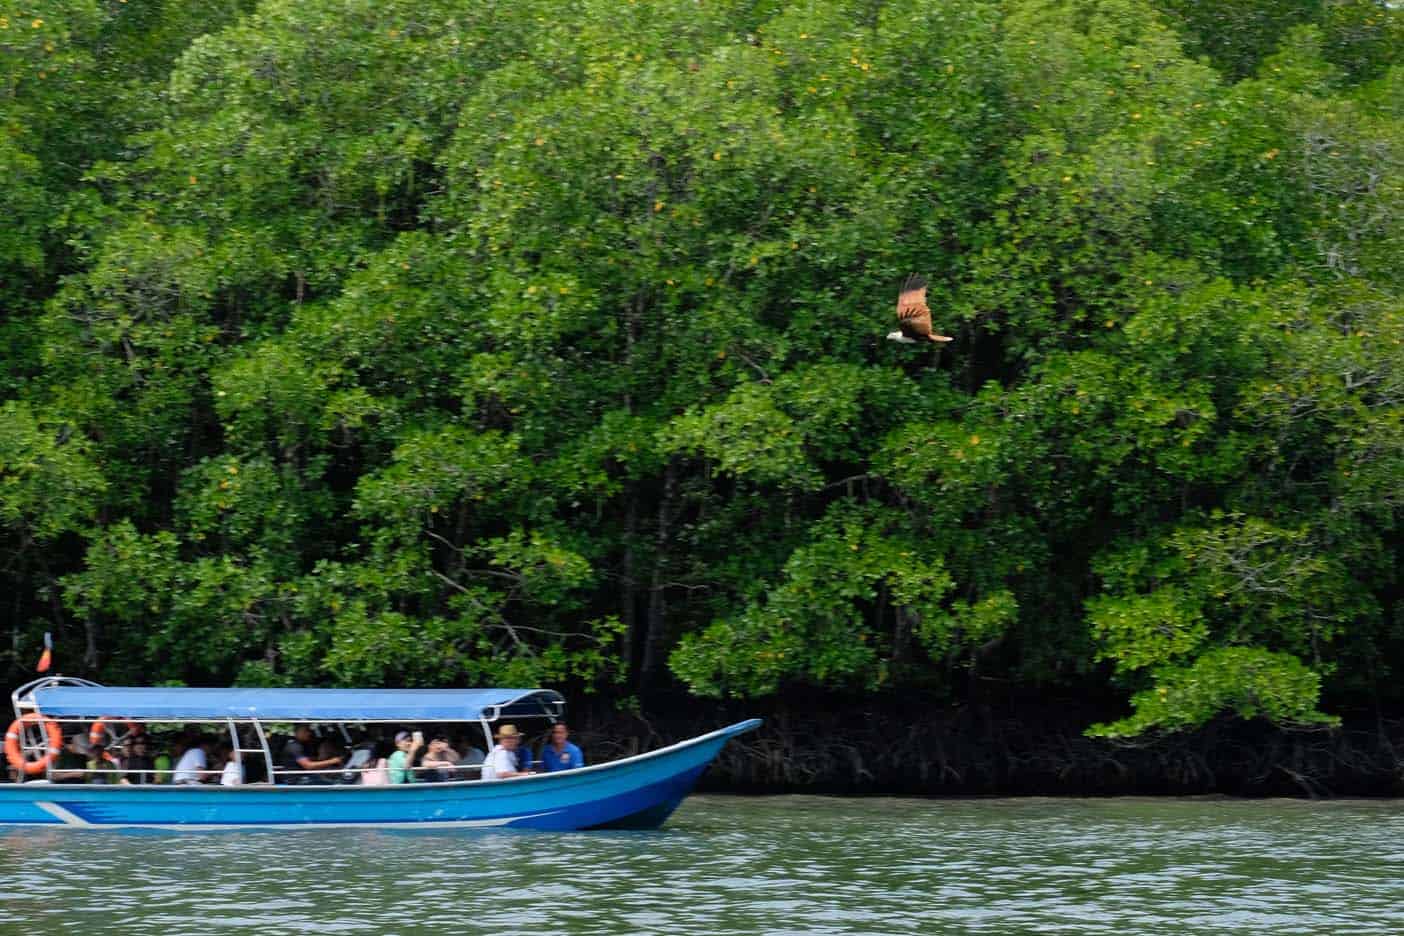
pixel 267 752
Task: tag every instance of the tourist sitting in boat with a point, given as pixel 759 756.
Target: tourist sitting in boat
pixel 329 750
pixel 407 745
pixel 297 759
pixel 440 761
pixel 501 762
pixel 232 767
pixel 163 762
pixel 377 772
pixel 559 753
pixel 136 762
pixel 102 767
pixel 469 756
pixel 194 763
pixel 72 763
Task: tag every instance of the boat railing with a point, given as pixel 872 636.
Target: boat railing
pixel 262 751
pixel 21 698
pixel 213 775
pixel 283 772
pixel 278 772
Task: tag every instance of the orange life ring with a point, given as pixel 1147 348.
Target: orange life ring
pixel 14 753
pixel 95 736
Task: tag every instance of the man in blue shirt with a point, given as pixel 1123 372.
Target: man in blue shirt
pixel 559 753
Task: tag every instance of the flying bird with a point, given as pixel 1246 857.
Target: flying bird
pixel 913 316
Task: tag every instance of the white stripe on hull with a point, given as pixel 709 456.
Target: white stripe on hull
pixel 68 818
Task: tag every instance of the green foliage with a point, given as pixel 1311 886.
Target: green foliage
pixel 1138 631
pixel 828 618
pixel 48 483
pixel 968 623
pixel 419 343
pixel 431 472
pixel 779 434
pixel 1246 681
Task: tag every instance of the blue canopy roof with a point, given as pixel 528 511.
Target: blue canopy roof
pixel 312 705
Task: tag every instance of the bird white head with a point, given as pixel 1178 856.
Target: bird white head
pixel 899 337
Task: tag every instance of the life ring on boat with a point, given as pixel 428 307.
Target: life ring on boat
pixel 14 753
pixel 99 729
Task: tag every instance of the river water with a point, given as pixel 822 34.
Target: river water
pixel 730 865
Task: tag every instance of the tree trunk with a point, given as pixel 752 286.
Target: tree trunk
pixel 628 591
pixel 655 634
pixel 90 651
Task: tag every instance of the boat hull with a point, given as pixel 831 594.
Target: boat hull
pixel 637 792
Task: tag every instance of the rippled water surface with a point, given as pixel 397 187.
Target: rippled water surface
pixel 728 865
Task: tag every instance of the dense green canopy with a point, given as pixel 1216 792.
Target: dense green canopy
pixel 541 341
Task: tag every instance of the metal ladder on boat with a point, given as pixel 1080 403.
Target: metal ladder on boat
pixel 262 748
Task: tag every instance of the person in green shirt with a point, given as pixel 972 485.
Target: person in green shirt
pixel 401 762
pixel 71 766
pixel 162 763
pixel 101 769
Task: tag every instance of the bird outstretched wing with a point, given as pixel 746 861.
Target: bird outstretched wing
pixel 913 316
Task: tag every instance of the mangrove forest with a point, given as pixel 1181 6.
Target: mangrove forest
pixel 543 342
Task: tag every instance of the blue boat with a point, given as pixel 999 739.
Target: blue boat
pixel 636 792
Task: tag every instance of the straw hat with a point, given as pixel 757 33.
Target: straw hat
pixel 508 731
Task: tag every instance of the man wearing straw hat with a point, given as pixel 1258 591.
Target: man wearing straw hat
pixel 501 762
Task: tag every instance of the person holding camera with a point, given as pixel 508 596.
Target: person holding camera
pixel 401 764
